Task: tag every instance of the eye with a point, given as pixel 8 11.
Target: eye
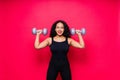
pixel 57 27
pixel 62 27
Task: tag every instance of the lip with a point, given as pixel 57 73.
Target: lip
pixel 59 32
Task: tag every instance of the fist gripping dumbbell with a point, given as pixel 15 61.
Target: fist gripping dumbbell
pixel 82 31
pixel 44 31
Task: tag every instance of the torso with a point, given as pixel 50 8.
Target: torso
pixel 59 48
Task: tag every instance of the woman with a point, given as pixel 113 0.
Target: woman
pixel 59 42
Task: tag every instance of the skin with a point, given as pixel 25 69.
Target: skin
pixel 58 38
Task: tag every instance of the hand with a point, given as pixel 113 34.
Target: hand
pixel 39 32
pixel 78 32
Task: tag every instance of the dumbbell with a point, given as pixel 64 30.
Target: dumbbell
pixel 44 31
pixel 82 31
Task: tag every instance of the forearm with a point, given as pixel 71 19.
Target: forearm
pixel 37 41
pixel 81 41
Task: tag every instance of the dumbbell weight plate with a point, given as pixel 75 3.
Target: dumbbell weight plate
pixel 83 31
pixel 34 30
pixel 45 31
pixel 72 31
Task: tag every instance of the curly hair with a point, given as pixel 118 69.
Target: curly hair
pixel 66 32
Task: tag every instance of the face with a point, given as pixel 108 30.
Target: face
pixel 59 28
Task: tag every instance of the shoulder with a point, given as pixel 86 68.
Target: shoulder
pixel 69 40
pixel 49 39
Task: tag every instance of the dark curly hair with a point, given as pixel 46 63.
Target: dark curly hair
pixel 66 32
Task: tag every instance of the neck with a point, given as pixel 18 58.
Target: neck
pixel 60 36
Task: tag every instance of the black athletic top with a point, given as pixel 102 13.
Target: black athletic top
pixel 59 49
pixel 59 61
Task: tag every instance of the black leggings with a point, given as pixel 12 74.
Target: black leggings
pixel 59 66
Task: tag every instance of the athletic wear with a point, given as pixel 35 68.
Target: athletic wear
pixel 59 61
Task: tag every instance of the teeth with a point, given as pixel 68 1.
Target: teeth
pixel 59 31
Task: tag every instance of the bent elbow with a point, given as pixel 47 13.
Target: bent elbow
pixel 36 47
pixel 82 46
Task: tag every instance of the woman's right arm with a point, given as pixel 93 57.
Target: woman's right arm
pixel 39 45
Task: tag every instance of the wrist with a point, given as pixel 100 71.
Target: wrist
pixel 79 34
pixel 37 34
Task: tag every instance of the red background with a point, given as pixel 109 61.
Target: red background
pixel 19 60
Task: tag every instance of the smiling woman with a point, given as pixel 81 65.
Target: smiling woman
pixel 59 42
pixel 59 29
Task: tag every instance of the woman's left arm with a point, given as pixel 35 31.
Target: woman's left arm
pixel 76 44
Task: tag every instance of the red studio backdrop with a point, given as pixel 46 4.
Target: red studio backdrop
pixel 99 60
